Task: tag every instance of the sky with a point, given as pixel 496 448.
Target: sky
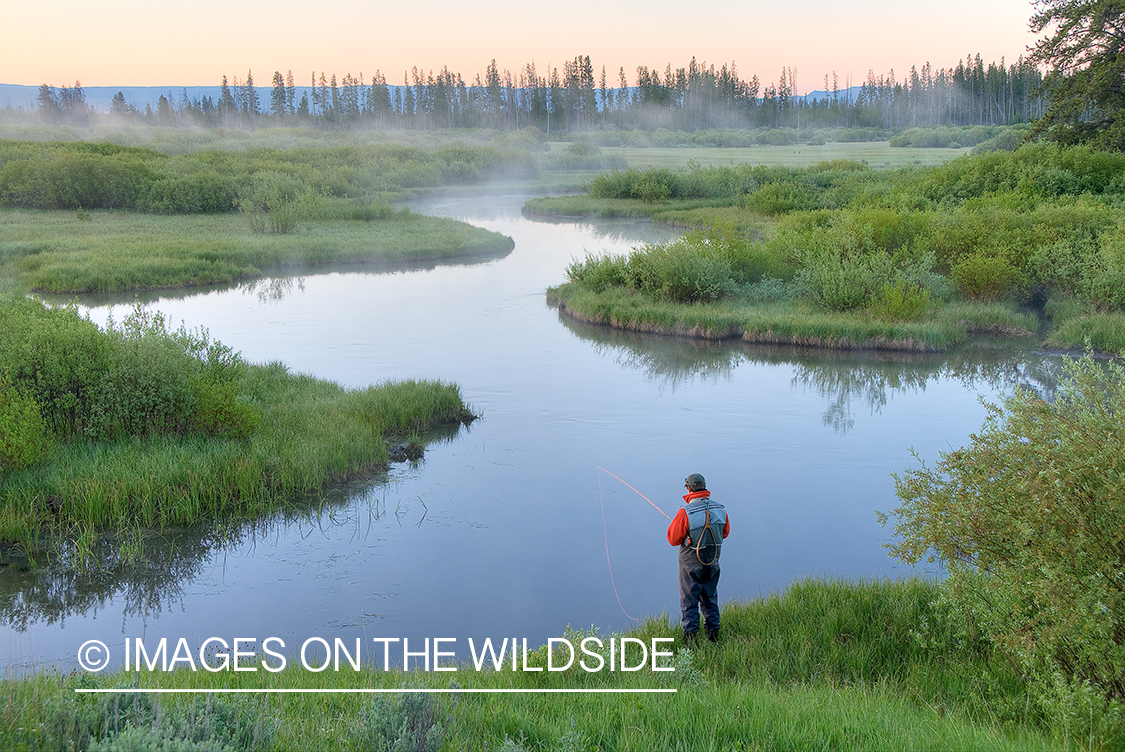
pixel 142 43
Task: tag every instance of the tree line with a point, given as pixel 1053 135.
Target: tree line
pixel 577 97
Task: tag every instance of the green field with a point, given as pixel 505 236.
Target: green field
pixel 874 153
pixel 59 252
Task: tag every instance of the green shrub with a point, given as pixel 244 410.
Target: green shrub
pixel 137 722
pixel 843 279
pixel 134 379
pixel 901 301
pixel 133 739
pixel 24 438
pixel 694 268
pixel 1028 519
pixel 614 184
pixel 204 193
pixel 1102 277
pixel 55 357
pixel 147 389
pixel 598 273
pixel 219 411
pixel 273 202
pixel 407 723
pixel 654 185
pixel 985 279
pixel 779 198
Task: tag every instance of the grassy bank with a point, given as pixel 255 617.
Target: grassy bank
pixel 786 322
pixel 142 427
pixel 826 665
pixel 862 257
pixel 103 251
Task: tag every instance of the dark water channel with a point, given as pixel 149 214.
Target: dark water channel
pixel 498 532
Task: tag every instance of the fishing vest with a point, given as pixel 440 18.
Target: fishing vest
pixel 706 520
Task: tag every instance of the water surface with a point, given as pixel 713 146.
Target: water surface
pixel 499 531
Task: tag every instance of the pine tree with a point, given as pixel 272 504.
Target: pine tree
pixel 228 108
pixel 277 96
pixel 1085 53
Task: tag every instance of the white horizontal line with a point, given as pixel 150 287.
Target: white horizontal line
pixel 376 691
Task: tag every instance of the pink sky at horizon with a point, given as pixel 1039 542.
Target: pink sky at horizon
pixel 135 43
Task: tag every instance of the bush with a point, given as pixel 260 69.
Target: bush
pixel 598 273
pixel 655 185
pixel 985 279
pixel 842 279
pixel 1029 520
pixel 694 268
pixel 276 202
pixel 779 198
pixel 1102 278
pixel 219 411
pixel 138 722
pixel 145 390
pixel 405 724
pixel 24 438
pixel 56 358
pixel 901 301
pixel 133 739
pixel 134 379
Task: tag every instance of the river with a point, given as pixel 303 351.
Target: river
pixel 508 528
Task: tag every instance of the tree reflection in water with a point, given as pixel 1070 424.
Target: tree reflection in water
pixel 848 380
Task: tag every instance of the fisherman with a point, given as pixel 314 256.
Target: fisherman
pixel 698 529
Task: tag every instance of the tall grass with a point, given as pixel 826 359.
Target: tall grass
pixel 311 432
pixel 825 665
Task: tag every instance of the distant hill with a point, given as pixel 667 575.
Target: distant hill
pixel 18 96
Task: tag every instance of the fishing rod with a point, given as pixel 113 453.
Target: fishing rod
pixel 607 472
pixel 605 533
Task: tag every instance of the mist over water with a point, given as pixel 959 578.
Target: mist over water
pixel 498 532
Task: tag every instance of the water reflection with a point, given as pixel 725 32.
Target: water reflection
pixel 148 571
pixel 847 380
pixel 633 232
pixel 272 289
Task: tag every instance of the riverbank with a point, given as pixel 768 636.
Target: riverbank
pixel 789 322
pixel 112 251
pixel 139 427
pixel 825 665
pixel 839 255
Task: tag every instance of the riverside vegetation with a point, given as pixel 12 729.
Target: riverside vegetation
pixel 138 426
pixel 825 665
pixel 86 217
pixel 841 255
